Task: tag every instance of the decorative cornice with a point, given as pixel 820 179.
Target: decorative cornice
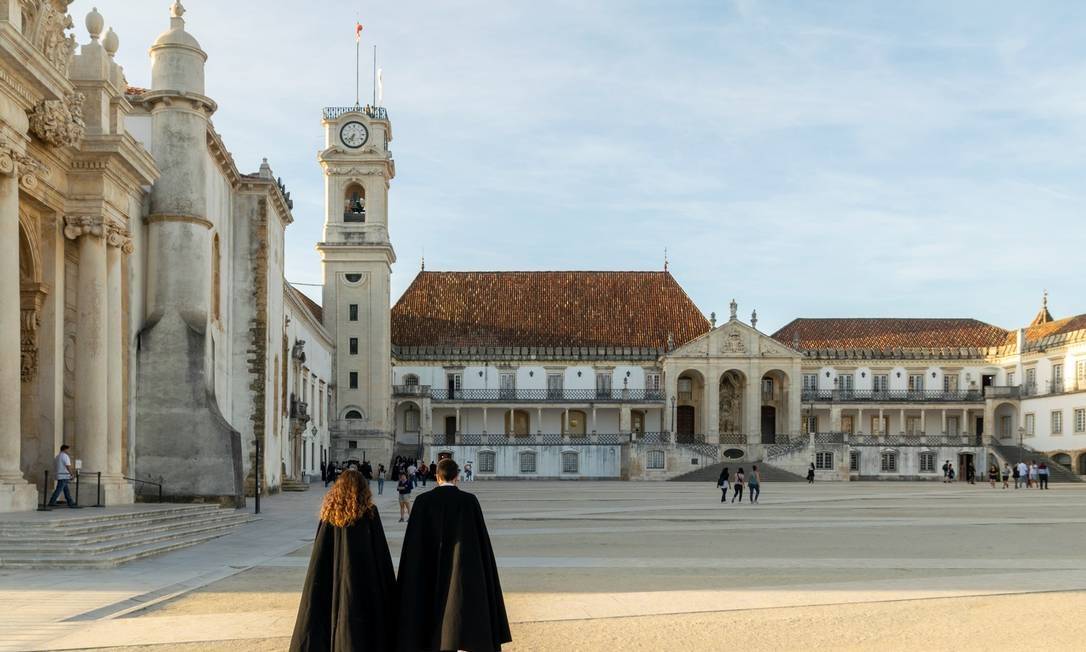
pixel 45 23
pixel 27 168
pixel 176 217
pixel 59 122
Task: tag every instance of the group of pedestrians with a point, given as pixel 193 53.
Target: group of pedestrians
pixel 737 482
pixel 1027 476
pixel 446 595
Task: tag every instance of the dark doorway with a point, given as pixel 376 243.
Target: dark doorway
pixel 684 423
pixel 987 380
pixel 964 460
pixel 978 430
pixel 450 430
pixel 769 424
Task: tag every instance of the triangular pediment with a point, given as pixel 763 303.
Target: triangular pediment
pixel 734 339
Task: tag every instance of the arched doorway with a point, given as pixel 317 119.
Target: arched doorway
pixel 1062 459
pixel 733 387
pixel 354 203
pixel 576 423
pixel 1006 421
pixel 774 389
pixel 689 408
pixel 34 450
pixel 1082 464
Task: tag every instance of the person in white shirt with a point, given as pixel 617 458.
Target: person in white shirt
pixel 62 468
pixel 1023 474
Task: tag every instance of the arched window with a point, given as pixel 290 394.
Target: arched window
pixel 411 419
pixel 352 414
pixel 527 462
pixel 216 283
pixel 354 203
pixel 411 380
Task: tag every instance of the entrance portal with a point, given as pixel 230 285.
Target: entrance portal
pixel 964 460
pixel 769 424
pixel 684 423
pixel 450 429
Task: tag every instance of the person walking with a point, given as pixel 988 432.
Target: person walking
pixel 993 475
pixel 467 472
pixel 403 488
pixel 349 596
pixel 1042 475
pixel 1033 484
pixel 1021 473
pixel 450 594
pixel 950 472
pixel 737 492
pixel 971 473
pixel 722 483
pixel 367 470
pixel 413 473
pixel 422 473
pixel 810 474
pixel 946 471
pixel 380 479
pixel 62 469
pixel 1007 475
pixel 754 484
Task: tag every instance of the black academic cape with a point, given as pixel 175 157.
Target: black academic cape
pixel 450 597
pixel 349 599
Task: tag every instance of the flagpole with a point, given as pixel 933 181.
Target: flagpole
pixel 375 74
pixel 357 56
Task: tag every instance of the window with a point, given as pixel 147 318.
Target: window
pixel 1057 422
pixel 1080 374
pixel 352 414
pixel 554 386
pixel 880 429
pixel 912 426
pixel 603 384
pixel 354 204
pixel 1006 426
pixel 352 380
pixel 352 312
pixel 352 444
pixel 453 383
pixel 1030 425
pixel 1010 378
pixel 508 384
pixel 927 462
pixel 950 383
pixel 810 382
pixel 810 424
pixel 1080 420
pixel 411 419
pixel 527 462
pixel 824 460
pixel 1031 377
pixel 486 462
pixel 655 460
pixel 953 427
pixel 411 380
pixel 652 382
pixel 888 461
pixel 880 382
pixel 569 462
pixel 916 382
pixel 352 278
pixel 686 387
pixel 767 389
pixel 854 460
pixel 1057 378
pixel 844 382
pixel 352 346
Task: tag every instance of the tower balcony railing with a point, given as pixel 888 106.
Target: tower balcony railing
pixel 374 112
pixel 547 395
pixel 893 395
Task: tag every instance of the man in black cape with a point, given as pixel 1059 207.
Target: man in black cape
pixel 450 597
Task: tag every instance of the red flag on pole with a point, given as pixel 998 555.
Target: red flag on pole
pixel 357 32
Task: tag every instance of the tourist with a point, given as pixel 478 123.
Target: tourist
pixel 754 484
pixel 450 595
pixel 324 472
pixel 946 471
pixel 1032 475
pixel 422 473
pixel 1007 475
pixel 810 474
pixel 467 472
pixel 403 488
pixel 722 483
pixel 950 472
pixel 412 472
pixel 993 475
pixel 380 479
pixel 970 473
pixel 1042 476
pixel 739 481
pixel 1021 474
pixel 62 469
pixel 349 596
pixel 432 471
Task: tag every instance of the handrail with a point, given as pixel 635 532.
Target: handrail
pixel 150 482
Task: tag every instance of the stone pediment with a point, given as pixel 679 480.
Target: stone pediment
pixel 734 339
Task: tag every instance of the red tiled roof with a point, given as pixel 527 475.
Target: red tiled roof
pixel 313 307
pixel 886 333
pixel 571 309
pixel 1039 331
pixel 134 90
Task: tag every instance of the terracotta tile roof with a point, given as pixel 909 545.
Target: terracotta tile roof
pixel 886 334
pixel 134 90
pixel 313 307
pixel 1056 329
pixel 545 309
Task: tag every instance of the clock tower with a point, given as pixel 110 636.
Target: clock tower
pixel 357 259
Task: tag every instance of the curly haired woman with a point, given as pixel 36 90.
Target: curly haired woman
pixel 349 598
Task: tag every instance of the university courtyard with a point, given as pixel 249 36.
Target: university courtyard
pixel 599 565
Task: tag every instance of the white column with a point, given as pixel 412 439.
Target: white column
pixel 901 420
pixel 115 334
pixel 593 419
pixel 882 423
pixel 539 416
pixel 15 493
pixel 944 421
pixel 859 425
pixel 511 422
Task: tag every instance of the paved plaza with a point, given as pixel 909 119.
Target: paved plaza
pixel 594 565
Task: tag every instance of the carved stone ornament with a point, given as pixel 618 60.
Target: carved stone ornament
pixel 30 321
pixel 118 236
pixel 59 122
pixel 27 168
pixel 733 343
pixel 45 25
pixel 354 171
pixel 80 225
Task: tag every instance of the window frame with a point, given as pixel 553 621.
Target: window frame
pixel 824 460
pixel 484 458
pixel 854 460
pixel 352 346
pixel 571 455
pixel 1030 423
pixel 528 455
pixel 352 380
pixel 651 458
pixel 1080 421
pixel 884 457
pixel 417 414
pixel 1056 422
pixel 931 459
pixel 352 312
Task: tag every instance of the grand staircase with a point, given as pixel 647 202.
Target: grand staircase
pixel 710 473
pixel 82 539
pixel 1011 454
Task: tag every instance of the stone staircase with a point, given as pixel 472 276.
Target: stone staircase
pixel 710 473
pixel 83 539
pixel 1011 454
pixel 294 485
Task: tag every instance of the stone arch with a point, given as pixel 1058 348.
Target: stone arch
pixel 1080 468
pixel 1005 416
pixel 733 394
pixel 354 202
pixel 353 413
pixel 774 390
pixel 1062 458
pixel 409 417
pixel 690 405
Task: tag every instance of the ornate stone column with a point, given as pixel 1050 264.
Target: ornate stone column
pixel 15 170
pixel 120 245
pixel 92 353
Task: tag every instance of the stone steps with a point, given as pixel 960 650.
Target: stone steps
pixel 711 472
pixel 294 485
pixel 1011 454
pixel 111 539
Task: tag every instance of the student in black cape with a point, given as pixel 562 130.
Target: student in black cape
pixel 450 596
pixel 349 598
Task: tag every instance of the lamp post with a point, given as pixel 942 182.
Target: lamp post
pixel 1021 434
pixel 674 426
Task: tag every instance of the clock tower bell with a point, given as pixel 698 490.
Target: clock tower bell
pixel 357 258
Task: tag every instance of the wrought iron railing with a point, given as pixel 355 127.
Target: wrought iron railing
pixel 652 437
pixel 909 440
pixel 375 112
pixel 894 395
pixel 547 395
pixel 786 445
pixel 535 439
pixel 711 451
pixel 415 391
pixel 1002 391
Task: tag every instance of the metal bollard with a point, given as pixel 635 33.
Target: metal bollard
pixel 160 489
pixel 77 474
pixel 44 507
pixel 98 498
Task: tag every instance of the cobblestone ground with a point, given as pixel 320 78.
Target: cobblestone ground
pixel 597 565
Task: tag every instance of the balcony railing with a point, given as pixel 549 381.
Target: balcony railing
pixel 894 395
pixel 1002 391
pixel 412 391
pixel 356 428
pixel 547 395
pixel 375 112
pixel 536 439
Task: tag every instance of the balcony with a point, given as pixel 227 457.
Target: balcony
pixel 374 112
pixel 353 428
pixel 538 439
pixel 411 391
pixel 546 395
pixel 1003 391
pixel 893 395
pixel 299 410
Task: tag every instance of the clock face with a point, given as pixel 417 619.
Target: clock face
pixel 354 134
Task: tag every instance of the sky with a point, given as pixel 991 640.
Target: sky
pixel 807 158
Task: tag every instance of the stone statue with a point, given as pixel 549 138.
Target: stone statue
pixel 734 307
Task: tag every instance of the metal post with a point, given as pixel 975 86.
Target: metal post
pixel 98 491
pixel 44 507
pixel 77 490
pixel 256 475
pixel 160 488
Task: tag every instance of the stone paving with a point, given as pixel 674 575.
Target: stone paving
pixel 591 564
